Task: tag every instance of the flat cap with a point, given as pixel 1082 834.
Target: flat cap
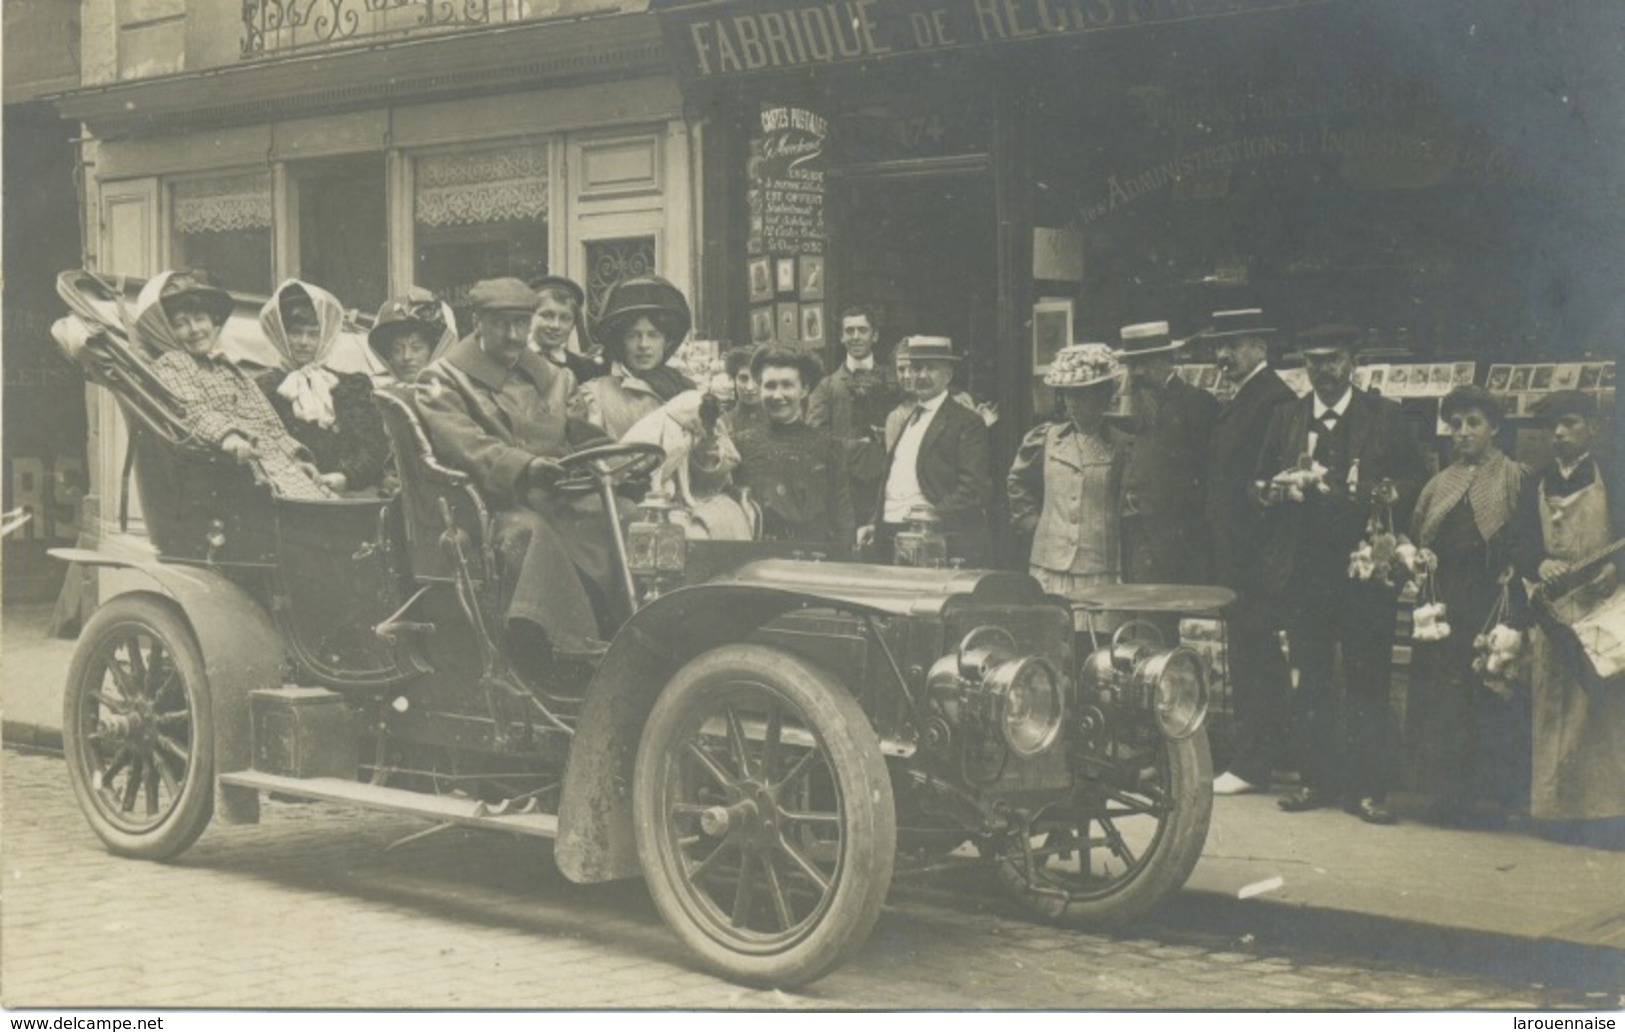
pixel 505 294
pixel 1565 403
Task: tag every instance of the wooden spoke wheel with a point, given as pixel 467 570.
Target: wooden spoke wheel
pixel 136 730
pixel 1121 844
pixel 765 818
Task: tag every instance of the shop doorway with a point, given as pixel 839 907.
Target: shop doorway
pixel 342 236
pixel 923 249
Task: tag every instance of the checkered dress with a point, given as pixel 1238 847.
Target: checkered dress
pixel 221 400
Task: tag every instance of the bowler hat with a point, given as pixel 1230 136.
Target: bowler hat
pixel 926 349
pixel 503 294
pixel 1237 322
pixel 1329 339
pixel 1567 403
pixel 1148 338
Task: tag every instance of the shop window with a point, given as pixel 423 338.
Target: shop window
pixel 478 214
pixel 223 224
pixel 343 227
pixel 611 261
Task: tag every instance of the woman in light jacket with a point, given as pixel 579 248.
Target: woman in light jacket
pixel 1066 485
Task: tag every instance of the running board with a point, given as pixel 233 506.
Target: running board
pixel 442 808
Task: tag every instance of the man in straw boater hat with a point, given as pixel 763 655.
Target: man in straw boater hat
pixel 1367 453
pixel 1241 342
pixel 937 456
pixel 1066 484
pixel 1167 473
pixel 498 411
pixel 1570 511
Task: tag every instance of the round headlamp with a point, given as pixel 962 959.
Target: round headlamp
pixel 1027 703
pixel 1178 691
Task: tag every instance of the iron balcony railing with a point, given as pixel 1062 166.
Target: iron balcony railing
pixel 283 26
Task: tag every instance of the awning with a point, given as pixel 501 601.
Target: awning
pixel 723 39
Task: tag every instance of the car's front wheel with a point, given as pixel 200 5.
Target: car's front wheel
pixel 1121 843
pixel 764 813
pixel 136 730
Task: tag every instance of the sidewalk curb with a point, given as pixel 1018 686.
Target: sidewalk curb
pixel 1504 955
pixel 32 737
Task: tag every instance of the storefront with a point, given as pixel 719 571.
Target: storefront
pixel 1018 173
pixel 366 165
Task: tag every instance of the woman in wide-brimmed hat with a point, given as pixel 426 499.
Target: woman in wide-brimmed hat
pixel 1066 484
pixel 645 320
pixel 329 412
pixel 178 315
pixel 409 332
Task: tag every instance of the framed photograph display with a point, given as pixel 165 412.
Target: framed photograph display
pixel 812 277
pixel 1052 330
pixel 785 278
pixel 761 280
pixel 812 323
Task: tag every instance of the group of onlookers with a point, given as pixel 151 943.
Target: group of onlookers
pixel 1265 493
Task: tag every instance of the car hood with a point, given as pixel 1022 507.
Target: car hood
pixel 898 590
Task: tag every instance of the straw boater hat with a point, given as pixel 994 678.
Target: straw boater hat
pixel 1082 365
pixel 927 349
pixel 1150 338
pixel 1236 322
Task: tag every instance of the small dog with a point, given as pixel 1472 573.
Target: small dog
pixel 685 426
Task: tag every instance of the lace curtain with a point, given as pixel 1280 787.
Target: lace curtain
pixel 496 184
pixel 222 203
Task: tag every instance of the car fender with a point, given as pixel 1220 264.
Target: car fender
pixel 242 651
pixel 596 840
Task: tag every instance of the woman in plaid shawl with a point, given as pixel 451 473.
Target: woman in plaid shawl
pixel 179 317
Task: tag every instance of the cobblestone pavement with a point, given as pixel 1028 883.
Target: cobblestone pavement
pixel 307 910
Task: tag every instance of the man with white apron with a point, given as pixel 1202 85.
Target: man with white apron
pixel 1571 510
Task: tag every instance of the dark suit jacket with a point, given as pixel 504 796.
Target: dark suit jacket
pixel 1318 534
pixel 952 469
pixel 1232 458
pixel 1166 473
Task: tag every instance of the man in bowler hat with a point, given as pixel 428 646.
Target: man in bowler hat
pixel 937 455
pixel 1367 452
pixel 1165 539
pixel 1241 340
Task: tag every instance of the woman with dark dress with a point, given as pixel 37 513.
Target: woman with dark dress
pixel 329 412
pixel 1473 738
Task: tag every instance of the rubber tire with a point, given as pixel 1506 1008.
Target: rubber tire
pixel 190 816
pixel 1176 854
pixel 870 812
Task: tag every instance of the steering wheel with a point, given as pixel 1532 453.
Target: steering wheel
pixel 586 470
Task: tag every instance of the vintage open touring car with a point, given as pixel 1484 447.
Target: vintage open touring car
pixel 768 740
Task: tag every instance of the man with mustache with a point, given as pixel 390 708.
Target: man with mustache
pixel 1362 441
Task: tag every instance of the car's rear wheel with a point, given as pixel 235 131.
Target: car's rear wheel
pixel 1121 844
pixel 764 812
pixel 137 731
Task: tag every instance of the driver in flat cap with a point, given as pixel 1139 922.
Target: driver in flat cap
pixel 499 411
